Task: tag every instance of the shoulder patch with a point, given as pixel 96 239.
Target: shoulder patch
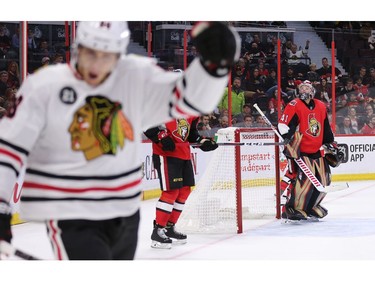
pixel 68 95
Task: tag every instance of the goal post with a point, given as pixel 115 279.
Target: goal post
pixel 240 182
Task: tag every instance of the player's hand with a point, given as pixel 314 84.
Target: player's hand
pixel 218 46
pixel 166 141
pixel 208 144
pixel 5 217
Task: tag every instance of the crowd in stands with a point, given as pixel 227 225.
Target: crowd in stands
pixel 254 78
pixel 40 54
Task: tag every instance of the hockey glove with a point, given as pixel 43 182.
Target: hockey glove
pixel 207 144
pixel 5 217
pixel 333 154
pixel 166 141
pixel 218 46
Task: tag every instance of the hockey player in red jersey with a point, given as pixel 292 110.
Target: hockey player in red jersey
pixel 305 127
pixel 172 159
pixel 78 128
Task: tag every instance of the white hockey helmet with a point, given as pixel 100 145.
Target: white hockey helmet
pixel 106 36
pixel 306 90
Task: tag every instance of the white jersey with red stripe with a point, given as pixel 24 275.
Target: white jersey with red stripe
pixel 81 144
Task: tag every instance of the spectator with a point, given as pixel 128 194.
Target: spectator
pixel 271 80
pixel 371 41
pixel 345 127
pixel 31 41
pixel 4 76
pixel 312 75
pixel 237 95
pixel 58 58
pixel 255 83
pixel 343 96
pixel 362 92
pixel 43 51
pixel 193 53
pixel 204 126
pixel 288 84
pixel 295 56
pixel 324 93
pixel 362 73
pixel 5 42
pixel 13 75
pixel 223 123
pixel 254 54
pixel 246 110
pixel 354 120
pixel 240 70
pixel 260 122
pixel 16 39
pixel 263 71
pixel 273 106
pixel 326 70
pixel 369 128
pixel 365 118
pixel 247 122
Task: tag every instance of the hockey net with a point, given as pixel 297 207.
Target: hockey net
pixel 240 182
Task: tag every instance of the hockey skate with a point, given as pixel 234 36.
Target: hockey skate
pixel 177 237
pixel 159 239
pixel 290 215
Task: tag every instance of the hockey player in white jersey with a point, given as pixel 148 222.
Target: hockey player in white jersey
pixel 78 129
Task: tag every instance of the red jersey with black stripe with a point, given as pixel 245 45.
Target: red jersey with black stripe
pixel 311 121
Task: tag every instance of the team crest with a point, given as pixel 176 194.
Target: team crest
pixel 183 128
pixel 99 127
pixel 314 126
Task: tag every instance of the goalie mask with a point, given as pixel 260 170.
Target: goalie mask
pixel 306 90
pixel 106 36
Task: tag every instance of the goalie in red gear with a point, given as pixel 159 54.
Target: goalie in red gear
pixel 305 128
pixel 172 160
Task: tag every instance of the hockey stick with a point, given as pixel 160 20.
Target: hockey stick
pixel 9 250
pixel 242 143
pixel 305 169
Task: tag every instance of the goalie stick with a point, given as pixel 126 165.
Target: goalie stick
pixel 9 250
pixel 305 169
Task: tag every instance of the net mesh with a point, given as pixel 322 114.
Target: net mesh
pixel 211 207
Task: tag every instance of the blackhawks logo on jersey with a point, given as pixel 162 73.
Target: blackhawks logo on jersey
pixel 99 127
pixel 314 127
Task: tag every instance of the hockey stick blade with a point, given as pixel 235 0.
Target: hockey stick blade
pixel 334 187
pixel 9 250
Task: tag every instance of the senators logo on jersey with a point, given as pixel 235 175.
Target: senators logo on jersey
pixel 99 127
pixel 314 127
pixel 183 129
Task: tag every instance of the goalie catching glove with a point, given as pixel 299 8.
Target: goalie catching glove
pixel 207 144
pixel 218 46
pixel 167 143
pixel 5 217
pixel 333 155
